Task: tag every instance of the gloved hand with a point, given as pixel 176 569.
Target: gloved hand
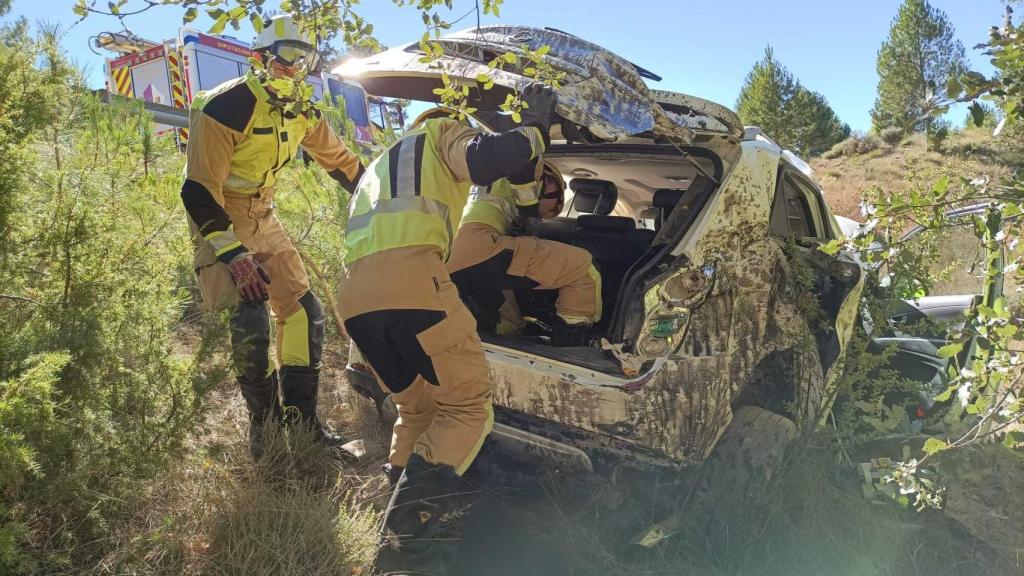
pixel 250 278
pixel 540 107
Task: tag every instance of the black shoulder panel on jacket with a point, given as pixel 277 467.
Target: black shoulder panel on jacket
pixel 491 157
pixel 232 107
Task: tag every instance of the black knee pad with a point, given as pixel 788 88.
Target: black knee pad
pixel 315 315
pixel 250 341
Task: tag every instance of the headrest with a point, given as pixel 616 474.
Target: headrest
pixel 595 222
pixel 594 196
pixel 667 198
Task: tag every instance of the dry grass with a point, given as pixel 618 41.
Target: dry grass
pixel 298 511
pixel 970 153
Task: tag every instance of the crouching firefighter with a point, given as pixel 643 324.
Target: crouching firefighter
pixel 487 259
pixel 403 311
pixel 240 136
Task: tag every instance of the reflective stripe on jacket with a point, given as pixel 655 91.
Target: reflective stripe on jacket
pixel 414 194
pixel 240 138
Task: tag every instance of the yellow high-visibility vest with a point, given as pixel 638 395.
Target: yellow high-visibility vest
pixel 272 137
pixel 407 197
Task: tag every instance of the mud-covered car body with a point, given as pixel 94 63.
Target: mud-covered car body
pixel 707 237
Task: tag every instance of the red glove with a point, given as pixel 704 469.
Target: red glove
pixel 250 278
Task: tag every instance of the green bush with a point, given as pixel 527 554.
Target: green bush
pixel 891 136
pixel 936 134
pixel 853 146
pixel 95 395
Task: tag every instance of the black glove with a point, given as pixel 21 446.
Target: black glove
pixel 527 174
pixel 540 103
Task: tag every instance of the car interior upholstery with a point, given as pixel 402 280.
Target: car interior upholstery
pixel 616 224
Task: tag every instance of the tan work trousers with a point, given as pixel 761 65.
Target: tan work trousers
pixel 551 265
pixel 403 311
pixel 257 227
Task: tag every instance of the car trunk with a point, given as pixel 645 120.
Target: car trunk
pixel 604 108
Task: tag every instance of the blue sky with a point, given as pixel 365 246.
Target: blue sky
pixel 701 47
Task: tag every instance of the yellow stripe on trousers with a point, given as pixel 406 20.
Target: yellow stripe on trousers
pixel 294 344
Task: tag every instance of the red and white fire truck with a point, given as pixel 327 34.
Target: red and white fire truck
pixel 170 74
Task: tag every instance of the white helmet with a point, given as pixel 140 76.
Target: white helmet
pixel 282 38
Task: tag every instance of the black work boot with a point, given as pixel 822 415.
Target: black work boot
pixel 566 335
pixel 262 399
pixel 424 493
pixel 300 387
pixel 392 472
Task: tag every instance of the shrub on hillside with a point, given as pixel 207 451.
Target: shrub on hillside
pixel 937 133
pixel 891 136
pixel 853 146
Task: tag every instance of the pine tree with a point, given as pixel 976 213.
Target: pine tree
pixel 913 63
pixel 793 116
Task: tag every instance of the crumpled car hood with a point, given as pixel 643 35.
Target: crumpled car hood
pixel 601 91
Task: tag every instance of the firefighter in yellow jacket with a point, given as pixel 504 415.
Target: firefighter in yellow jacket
pixel 240 137
pixel 487 259
pixel 403 311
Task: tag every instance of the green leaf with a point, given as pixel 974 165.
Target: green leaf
pixel 946 395
pixel 953 87
pixel 1011 209
pixel 831 248
pixel 941 186
pixel 1007 332
pixel 114 8
pixel 190 15
pixel 257 22
pixel 218 26
pixel 482 78
pixel 934 446
pixel 1012 439
pixel 543 50
pixel 977 113
pixel 509 57
pixel 79 10
pixel 950 350
pixel 976 77
pixel 999 307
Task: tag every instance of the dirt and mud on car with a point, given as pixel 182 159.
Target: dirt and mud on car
pixel 719 306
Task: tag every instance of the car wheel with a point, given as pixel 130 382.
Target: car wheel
pixel 748 453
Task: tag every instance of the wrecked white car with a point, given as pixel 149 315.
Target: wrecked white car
pixel 717 298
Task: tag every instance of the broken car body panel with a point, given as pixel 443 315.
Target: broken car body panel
pixel 600 91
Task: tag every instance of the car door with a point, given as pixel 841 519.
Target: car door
pixel 801 220
pixel 918 327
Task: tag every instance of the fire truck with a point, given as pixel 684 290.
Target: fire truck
pixel 168 75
